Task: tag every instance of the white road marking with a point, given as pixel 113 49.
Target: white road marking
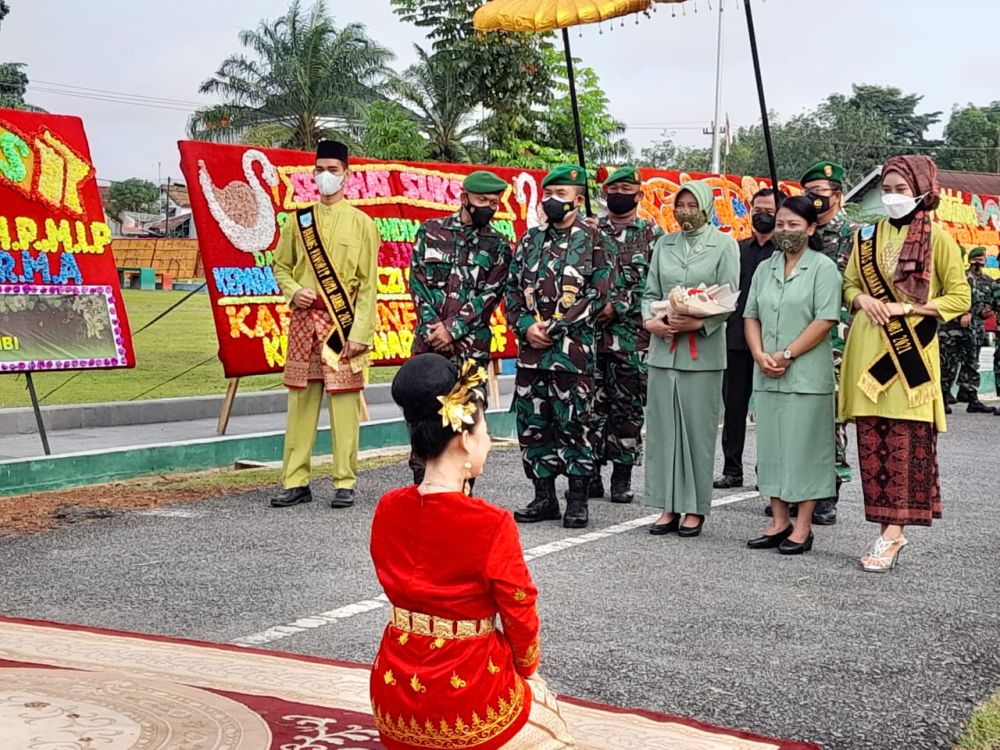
pixel 311 622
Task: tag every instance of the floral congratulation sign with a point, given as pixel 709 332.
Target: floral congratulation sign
pixel 60 305
pixel 241 196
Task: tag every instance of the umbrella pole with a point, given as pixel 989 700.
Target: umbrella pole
pixel 760 95
pixel 576 114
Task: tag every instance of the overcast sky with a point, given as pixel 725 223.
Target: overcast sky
pixel 659 75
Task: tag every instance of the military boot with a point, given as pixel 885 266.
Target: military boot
pixel 621 484
pixel 978 407
pixel 595 489
pixel 545 506
pixel 577 516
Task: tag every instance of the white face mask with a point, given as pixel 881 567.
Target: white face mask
pixel 898 205
pixel 329 184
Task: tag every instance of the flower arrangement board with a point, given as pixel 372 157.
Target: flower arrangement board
pixel 60 304
pixel 240 197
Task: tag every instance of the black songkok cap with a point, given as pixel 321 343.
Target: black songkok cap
pixel 332 150
pixel 419 382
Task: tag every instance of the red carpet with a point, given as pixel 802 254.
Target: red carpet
pixel 78 688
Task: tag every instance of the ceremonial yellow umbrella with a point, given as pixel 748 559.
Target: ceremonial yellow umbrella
pixel 534 16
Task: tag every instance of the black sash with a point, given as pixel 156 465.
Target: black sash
pixel 906 341
pixel 331 288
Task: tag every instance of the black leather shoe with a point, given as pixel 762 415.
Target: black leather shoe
pixel 621 484
pixel 949 399
pixel 963 397
pixel 661 529
pixel 292 496
pixel 577 515
pixel 595 490
pixel 825 513
pixel 947 408
pixel 978 407
pixel 343 498
pixel 545 506
pixel 788 547
pixel 770 541
pixel 727 482
pixel 693 530
pixel 793 511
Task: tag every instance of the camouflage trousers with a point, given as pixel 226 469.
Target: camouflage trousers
pixel 554 412
pixel 996 361
pixel 619 408
pixel 959 360
pixel 843 468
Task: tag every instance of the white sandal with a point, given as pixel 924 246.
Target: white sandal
pixel 879 561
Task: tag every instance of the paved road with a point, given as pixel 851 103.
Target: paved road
pixel 794 647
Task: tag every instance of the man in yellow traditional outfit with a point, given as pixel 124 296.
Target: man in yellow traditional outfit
pixel 326 265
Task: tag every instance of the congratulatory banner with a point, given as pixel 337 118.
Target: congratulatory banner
pixel 60 305
pixel 240 197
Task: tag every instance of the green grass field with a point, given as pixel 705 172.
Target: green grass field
pixel 182 340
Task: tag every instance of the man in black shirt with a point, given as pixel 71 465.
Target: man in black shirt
pixel 737 384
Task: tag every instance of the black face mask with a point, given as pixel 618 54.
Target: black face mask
pixel 763 223
pixel 556 209
pixel 821 202
pixel 481 215
pixel 620 204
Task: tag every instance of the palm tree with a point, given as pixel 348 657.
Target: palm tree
pixel 429 88
pixel 302 80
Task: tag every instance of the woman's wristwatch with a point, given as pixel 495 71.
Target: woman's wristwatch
pixel 907 308
pixel 788 355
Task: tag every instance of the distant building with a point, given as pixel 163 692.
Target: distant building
pixel 137 224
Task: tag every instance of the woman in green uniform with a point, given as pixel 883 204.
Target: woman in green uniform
pixel 793 304
pixel 687 357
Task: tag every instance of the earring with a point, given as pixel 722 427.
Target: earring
pixel 468 472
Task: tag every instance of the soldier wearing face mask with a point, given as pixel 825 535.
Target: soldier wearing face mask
pixel 559 281
pixel 962 339
pixel 737 383
pixel 458 273
pixel 620 377
pixel 326 265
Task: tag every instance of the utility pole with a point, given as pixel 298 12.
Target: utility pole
pixel 716 124
pixel 166 210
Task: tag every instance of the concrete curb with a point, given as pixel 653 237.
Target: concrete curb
pixel 25 476
pixel 21 421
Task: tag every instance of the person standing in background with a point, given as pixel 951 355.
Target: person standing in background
pixel 737 383
pixel 458 273
pixel 620 378
pixel 326 263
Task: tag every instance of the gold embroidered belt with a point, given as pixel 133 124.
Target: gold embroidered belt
pixel 439 627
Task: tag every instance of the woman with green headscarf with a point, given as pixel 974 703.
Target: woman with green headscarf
pixel 687 357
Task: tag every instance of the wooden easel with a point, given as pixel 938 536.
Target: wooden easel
pixel 493 375
pixel 230 399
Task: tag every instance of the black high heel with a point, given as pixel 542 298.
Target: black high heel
pixel 659 529
pixel 789 547
pixel 690 531
pixel 770 541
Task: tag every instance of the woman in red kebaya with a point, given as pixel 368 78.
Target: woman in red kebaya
pixel 445 675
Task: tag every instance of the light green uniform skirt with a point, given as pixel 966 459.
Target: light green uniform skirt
pixel 682 425
pixel 795 445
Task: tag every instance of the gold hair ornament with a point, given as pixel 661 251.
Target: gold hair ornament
pixel 459 406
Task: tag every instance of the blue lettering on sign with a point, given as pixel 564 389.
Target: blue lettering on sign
pixel 7 275
pixel 68 270
pixel 241 282
pixel 32 267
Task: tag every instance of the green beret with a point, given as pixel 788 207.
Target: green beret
pixel 824 170
pixel 566 174
pixel 977 252
pixel 629 174
pixel 484 183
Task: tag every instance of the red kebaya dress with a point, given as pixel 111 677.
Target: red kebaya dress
pixel 445 676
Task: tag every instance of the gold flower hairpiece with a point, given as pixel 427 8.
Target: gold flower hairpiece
pixel 459 406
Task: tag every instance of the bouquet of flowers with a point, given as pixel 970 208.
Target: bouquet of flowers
pixel 699 302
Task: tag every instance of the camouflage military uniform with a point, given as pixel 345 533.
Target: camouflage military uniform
pixel 995 297
pixel 836 241
pixel 561 277
pixel 960 346
pixel 457 277
pixel 620 376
